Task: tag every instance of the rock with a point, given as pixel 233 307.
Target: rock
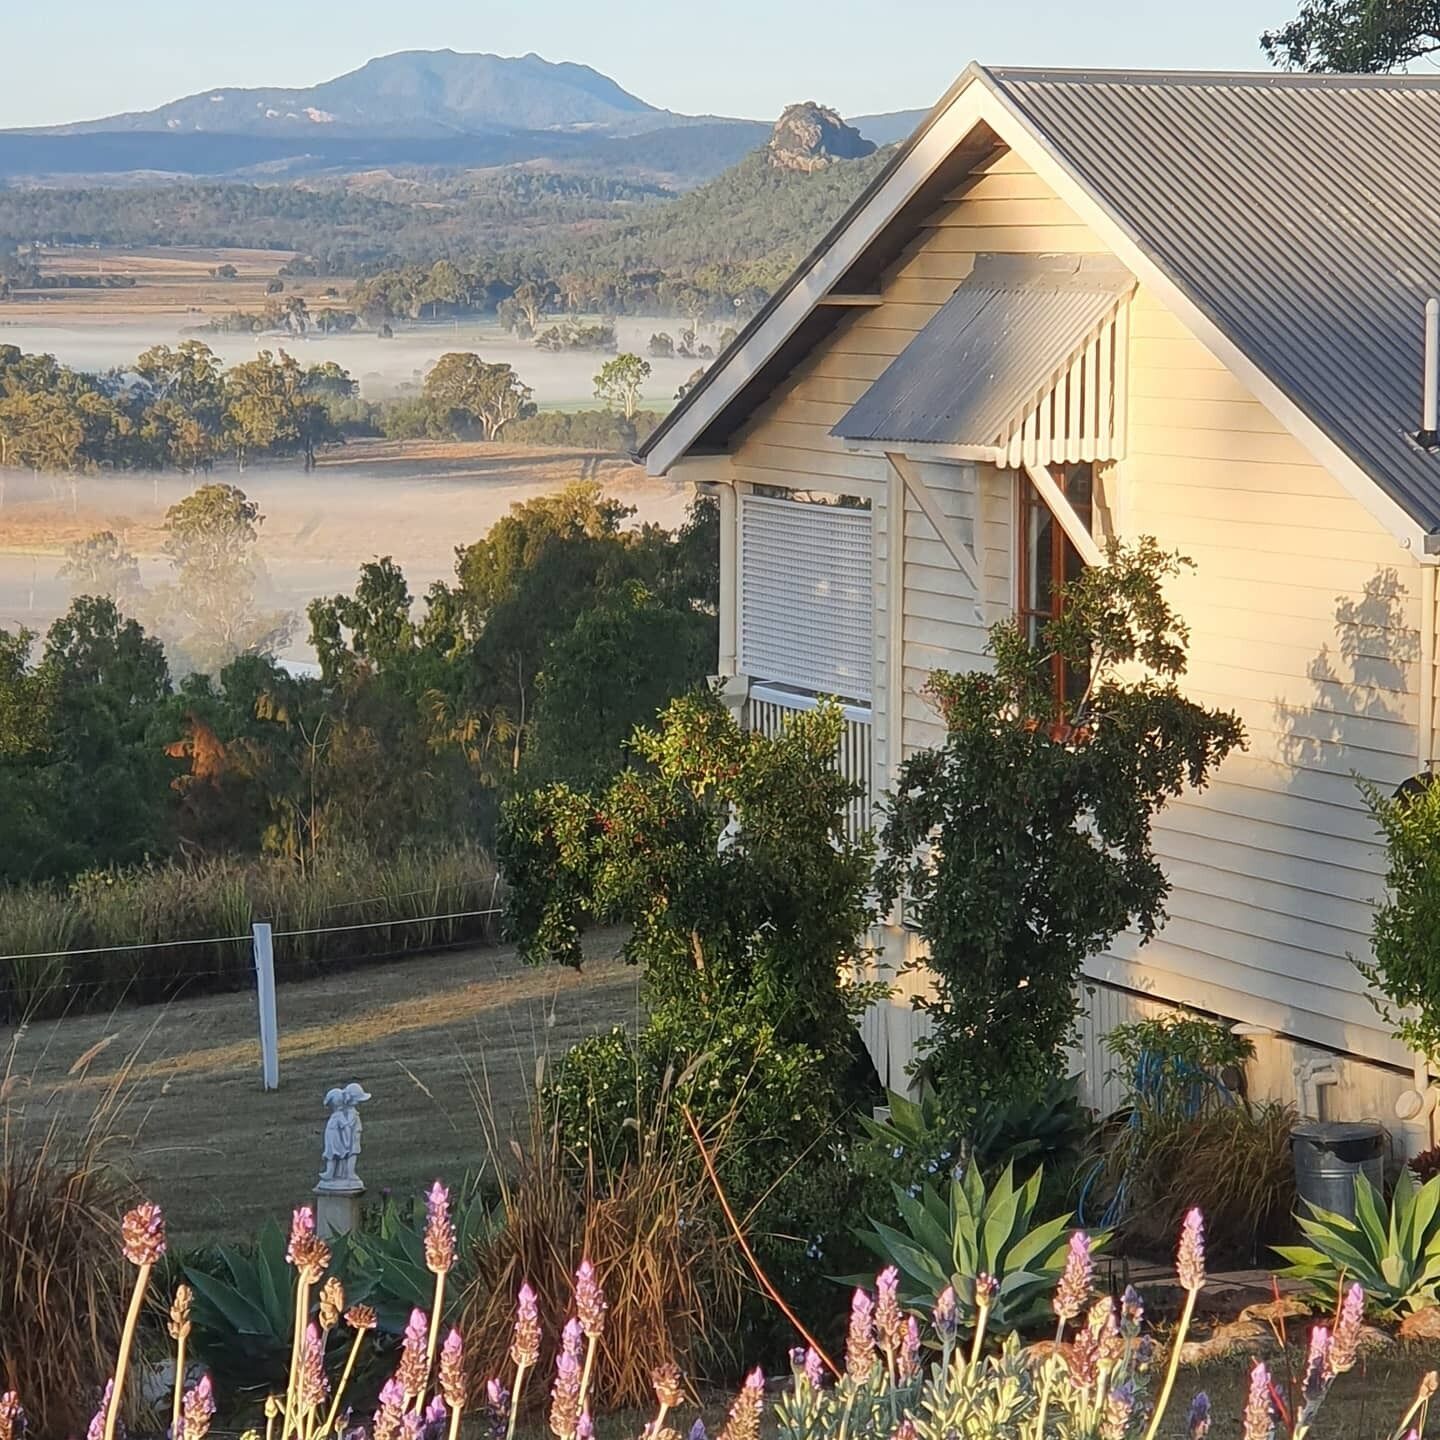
pixel 809 137
pixel 1276 1312
pixel 1240 1337
pixel 1421 1324
pixel 1373 1340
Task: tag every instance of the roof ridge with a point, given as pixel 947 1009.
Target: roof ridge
pixel 1258 79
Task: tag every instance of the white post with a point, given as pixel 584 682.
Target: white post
pixel 1431 410
pixel 265 998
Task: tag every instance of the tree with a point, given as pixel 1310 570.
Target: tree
pixel 103 565
pixel 533 300
pixel 1024 840
pixel 209 615
pixel 662 345
pixel 464 388
pixel 1355 35
pixel 620 382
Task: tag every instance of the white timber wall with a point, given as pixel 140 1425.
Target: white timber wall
pixel 1305 620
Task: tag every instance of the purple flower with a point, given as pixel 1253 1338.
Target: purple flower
pixel 12 1417
pixel 142 1235
pixel 1259 1417
pixel 860 1339
pixel 908 1365
pixel 413 1371
pixel 1317 1366
pixel 198 1409
pixel 1198 1426
pixel 1119 1410
pixel 814 1367
pixel 987 1287
pixel 697 1430
pixel 313 1386
pixel 1345 1339
pixel 565 1391
pixel 452 1370
pixel 947 1314
pixel 590 1303
pixel 96 1430
pixel 439 1231
pixel 302 1227
pixel 389 1411
pixel 889 1319
pixel 435 1418
pixel 585 1427
pixel 1073 1291
pixel 525 1346
pixel 1132 1313
pixel 744 1419
pixel 1190 1257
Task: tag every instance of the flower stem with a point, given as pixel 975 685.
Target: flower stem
pixel 434 1336
pixel 122 1358
pixel 297 1341
pixel 520 1372
pixel 981 1320
pixel 454 1433
pixel 1170 1370
pixel 179 1387
pixel 585 1372
pixel 344 1379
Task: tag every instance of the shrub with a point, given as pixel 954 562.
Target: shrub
pixel 62 1298
pixel 121 911
pixel 1024 840
pixel 956 1235
pixel 1395 1255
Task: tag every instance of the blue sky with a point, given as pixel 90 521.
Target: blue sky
pixel 736 57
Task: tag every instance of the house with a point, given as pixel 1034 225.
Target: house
pixel 1085 304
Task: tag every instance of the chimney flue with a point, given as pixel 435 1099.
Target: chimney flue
pixel 1430 423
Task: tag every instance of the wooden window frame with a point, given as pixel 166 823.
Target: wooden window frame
pixel 1029 502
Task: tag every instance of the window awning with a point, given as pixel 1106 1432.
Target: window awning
pixel 1020 365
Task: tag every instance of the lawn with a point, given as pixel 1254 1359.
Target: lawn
pixel 435 1041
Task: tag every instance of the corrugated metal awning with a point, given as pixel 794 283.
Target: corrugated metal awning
pixel 1006 336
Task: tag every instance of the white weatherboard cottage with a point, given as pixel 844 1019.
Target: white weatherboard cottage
pixel 1079 305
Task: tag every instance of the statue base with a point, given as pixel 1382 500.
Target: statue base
pixel 337 1212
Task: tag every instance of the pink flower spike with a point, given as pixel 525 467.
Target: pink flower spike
pixel 1076 1280
pixel 1190 1257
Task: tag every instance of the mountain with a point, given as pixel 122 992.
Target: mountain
pixel 886 129
pixel 415 94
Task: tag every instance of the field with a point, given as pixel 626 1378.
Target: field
pixel 415 501
pixel 437 1041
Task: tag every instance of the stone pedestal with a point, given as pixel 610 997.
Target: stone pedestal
pixel 337 1212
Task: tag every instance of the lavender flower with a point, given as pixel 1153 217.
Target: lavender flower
pixel 302 1226
pixel 1190 1257
pixel 142 1235
pixel 889 1318
pixel 96 1430
pixel 198 1409
pixel 860 1339
pixel 452 1371
pixel 332 1303
pixel 814 1367
pixel 590 1303
pixel 1317 1365
pixel 987 1287
pixel 434 1419
pixel 413 1371
pixel 307 1252
pixel 1132 1313
pixel 439 1230
pixel 585 1427
pixel 391 1408
pixel 744 1419
pixel 908 1365
pixel 1259 1417
pixel 12 1417
pixel 669 1387
pixel 697 1430
pixel 565 1392
pixel 179 1314
pixel 947 1314
pixel 1345 1340
pixel 313 1387
pixel 497 1408
pixel 361 1317
pixel 1119 1410
pixel 1198 1426
pixel 525 1346
pixel 1073 1291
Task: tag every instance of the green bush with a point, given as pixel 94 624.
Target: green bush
pixel 954 1235
pixel 1395 1255
pixel 584 429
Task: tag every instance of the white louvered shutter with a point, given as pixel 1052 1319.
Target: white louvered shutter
pixel 806 602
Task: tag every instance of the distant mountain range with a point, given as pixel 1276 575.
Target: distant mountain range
pixel 417 107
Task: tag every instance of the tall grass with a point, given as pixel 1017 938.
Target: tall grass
pixel 62 1281
pixel 353 905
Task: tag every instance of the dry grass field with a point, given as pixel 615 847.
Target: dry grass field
pixel 438 1041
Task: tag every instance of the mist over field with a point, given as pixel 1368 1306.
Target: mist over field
pixel 382 367
pixel 416 503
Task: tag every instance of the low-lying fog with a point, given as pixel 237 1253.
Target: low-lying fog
pixel 381 366
pixel 416 503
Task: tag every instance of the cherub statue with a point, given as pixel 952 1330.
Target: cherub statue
pixel 342 1138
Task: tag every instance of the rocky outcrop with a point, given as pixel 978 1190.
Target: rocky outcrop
pixel 809 137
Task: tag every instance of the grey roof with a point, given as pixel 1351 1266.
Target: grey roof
pixel 1015 321
pixel 1301 214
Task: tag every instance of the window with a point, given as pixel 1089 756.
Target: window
pixel 1048 559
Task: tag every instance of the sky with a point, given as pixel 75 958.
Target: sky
pixel 727 57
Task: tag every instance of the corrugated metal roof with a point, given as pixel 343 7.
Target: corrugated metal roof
pixel 1301 214
pixel 1004 335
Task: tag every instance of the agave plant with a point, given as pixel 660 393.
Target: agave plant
pixel 1395 1256
pixel 949 1242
